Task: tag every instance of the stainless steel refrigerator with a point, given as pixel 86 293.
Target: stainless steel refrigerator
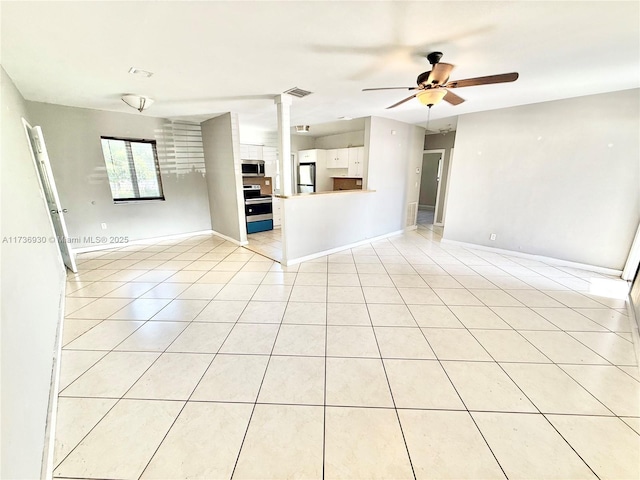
pixel 306 178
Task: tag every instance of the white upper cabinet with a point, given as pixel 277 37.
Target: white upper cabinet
pixel 356 160
pixel 310 156
pixel 270 157
pixel 251 152
pixel 338 158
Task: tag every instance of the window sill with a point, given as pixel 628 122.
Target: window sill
pixel 138 200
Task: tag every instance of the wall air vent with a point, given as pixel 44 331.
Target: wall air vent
pixel 298 92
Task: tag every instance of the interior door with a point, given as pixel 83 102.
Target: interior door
pixel 56 212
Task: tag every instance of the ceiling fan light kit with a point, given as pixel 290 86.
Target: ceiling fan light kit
pixel 431 96
pixel 139 102
pixel 434 85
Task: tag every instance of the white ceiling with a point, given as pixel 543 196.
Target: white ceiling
pixel 212 57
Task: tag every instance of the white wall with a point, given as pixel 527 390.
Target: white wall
pixel 221 142
pixel 254 136
pixel 559 179
pixel 73 136
pixel 33 279
pixel 302 142
pixel 317 223
pixel 341 140
pixel 394 150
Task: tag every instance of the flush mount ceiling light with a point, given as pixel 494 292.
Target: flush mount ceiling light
pixel 431 96
pixel 139 102
pixel 140 72
pixel 302 128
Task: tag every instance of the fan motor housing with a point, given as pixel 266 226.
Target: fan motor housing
pixel 422 78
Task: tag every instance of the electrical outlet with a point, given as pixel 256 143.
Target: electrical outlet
pixel 104 226
pixel 267 182
pixel 492 237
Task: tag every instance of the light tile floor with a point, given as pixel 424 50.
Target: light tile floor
pixel 406 358
pixel 268 244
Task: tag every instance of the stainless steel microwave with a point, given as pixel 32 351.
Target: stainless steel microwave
pixel 253 168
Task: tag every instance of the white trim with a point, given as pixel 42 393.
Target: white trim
pixel 229 239
pixel 631 266
pixel 442 152
pixel 43 195
pixel 52 412
pixel 294 261
pixel 635 325
pixel 539 258
pixel 107 246
pixel 446 193
pixel 410 228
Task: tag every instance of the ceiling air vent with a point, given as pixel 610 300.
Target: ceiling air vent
pixel 298 92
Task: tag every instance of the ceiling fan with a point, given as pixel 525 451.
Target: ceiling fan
pixel 434 85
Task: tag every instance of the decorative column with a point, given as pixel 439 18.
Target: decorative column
pixel 283 103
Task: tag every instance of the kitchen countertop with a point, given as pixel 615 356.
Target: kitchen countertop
pixel 329 192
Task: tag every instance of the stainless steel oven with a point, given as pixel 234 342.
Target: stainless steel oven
pixel 253 168
pixel 258 209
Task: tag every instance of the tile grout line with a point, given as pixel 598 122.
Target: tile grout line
pixel 457 392
pixel 123 395
pixel 568 289
pixel 536 407
pixel 255 403
pixel 386 375
pixel 186 402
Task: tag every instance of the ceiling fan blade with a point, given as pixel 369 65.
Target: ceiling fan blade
pixel 389 88
pixel 452 98
pixel 440 73
pixel 402 101
pixel 488 80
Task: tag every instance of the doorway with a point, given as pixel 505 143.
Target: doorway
pixel 430 180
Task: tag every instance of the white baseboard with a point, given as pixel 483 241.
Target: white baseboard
pixel 52 411
pixel 229 239
pixel 107 246
pixel 306 258
pixel 539 258
pixel 635 325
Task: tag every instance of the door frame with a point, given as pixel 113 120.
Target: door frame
pixel 442 152
pixel 447 181
pixel 70 254
pixel 633 260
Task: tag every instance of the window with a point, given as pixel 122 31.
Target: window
pixel 133 170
